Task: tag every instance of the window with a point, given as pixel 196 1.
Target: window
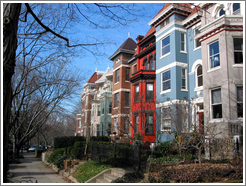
pixel 152 63
pixel 197 42
pixel 136 93
pixel 214 55
pixel 222 12
pixel 127 95
pixel 92 111
pixel 86 100
pixel 164 23
pixel 165 119
pixel 79 123
pixel 110 108
pixel 236 8
pixel 149 92
pixel 126 123
pixel 109 129
pixel 216 103
pixel 239 101
pixel 98 130
pixel 165 45
pixel 183 75
pixel 116 100
pixel 136 125
pixel 166 80
pixel 98 110
pixel 135 68
pixel 127 74
pixel 85 116
pixel 117 75
pixel 103 106
pixel 238 50
pixel 146 64
pixel 182 42
pixel 199 76
pixel 115 125
pixel 102 128
pixel 149 124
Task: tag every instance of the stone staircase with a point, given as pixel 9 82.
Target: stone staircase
pixel 109 175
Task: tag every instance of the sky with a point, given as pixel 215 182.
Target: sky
pixel 118 35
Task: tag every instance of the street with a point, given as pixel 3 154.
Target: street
pixel 33 170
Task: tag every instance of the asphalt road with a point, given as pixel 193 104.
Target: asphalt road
pixel 33 170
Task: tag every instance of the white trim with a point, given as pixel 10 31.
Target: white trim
pixel 122 90
pixel 161 14
pixel 120 115
pixel 166 91
pixel 168 32
pixel 181 64
pixel 122 65
pixel 195 64
pixel 177 22
pixel 185 50
pixel 214 69
pixel 168 103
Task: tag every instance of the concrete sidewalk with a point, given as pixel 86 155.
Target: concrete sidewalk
pixel 33 170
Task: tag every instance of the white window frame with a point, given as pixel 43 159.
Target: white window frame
pixel 117 78
pixel 238 101
pixel 209 55
pixel 198 76
pixel 213 104
pixel 237 50
pixel 163 55
pixel 185 88
pixel 79 124
pixel 183 42
pixel 167 90
pixel 165 118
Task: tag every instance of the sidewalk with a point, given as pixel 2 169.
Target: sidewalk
pixel 32 169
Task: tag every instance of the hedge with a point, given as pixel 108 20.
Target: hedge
pixel 67 141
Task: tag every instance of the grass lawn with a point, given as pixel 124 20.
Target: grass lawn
pixel 88 170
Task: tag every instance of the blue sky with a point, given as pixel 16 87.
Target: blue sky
pixel 117 35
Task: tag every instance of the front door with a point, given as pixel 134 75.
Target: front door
pixel 201 122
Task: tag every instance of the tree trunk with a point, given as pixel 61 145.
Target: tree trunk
pixel 10 25
pixel 200 157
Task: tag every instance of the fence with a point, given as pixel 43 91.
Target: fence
pixel 119 155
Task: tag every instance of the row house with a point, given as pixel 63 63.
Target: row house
pixel 83 127
pixel 143 79
pixel 121 95
pixel 199 63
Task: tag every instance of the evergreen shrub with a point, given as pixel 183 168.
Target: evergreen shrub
pixel 67 141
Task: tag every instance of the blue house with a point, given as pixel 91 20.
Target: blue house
pixel 179 80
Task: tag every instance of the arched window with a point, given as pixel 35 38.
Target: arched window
pixel 152 63
pixel 146 66
pixel 222 12
pixel 199 76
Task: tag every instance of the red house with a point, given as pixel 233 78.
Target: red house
pixel 143 89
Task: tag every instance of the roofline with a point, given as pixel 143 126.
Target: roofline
pixel 197 14
pixel 121 51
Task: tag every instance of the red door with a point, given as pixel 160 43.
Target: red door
pixel 201 122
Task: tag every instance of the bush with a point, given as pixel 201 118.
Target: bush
pixel 59 161
pixel 56 154
pixel 77 152
pixel 67 141
pixel 88 170
pixel 100 138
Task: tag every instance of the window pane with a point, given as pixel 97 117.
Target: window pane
pixel 150 87
pixel 222 12
pixel 199 70
pixel 238 43
pixel 217 111
pixel 240 110
pixel 200 81
pixel 236 6
pixel 214 48
pixel 182 37
pixel 216 96
pixel 240 94
pixel 238 56
pixel 215 61
pixel 166 41
pixel 166 75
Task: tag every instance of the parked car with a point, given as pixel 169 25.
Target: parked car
pixel 25 147
pixel 33 148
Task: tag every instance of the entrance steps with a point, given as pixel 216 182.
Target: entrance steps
pixel 109 175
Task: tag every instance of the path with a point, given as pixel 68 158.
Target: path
pixel 34 170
